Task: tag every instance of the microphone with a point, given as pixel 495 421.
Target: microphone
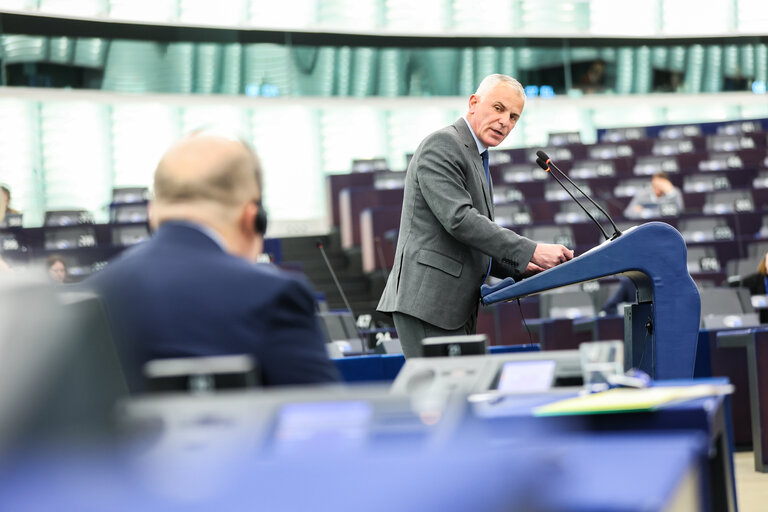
pixel 319 244
pixel 333 275
pixel 545 162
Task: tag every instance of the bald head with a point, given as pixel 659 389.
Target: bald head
pixel 208 169
pixel 215 182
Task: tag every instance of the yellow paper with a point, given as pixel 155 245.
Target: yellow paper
pixel 629 400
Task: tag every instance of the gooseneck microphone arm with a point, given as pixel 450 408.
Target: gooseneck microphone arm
pixel 545 162
pixel 333 275
pixel 360 335
pixel 544 166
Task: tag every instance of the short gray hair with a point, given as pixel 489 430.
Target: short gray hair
pixel 228 181
pixel 490 81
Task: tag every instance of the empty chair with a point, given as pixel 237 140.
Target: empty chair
pixel 729 201
pixel 518 173
pixel 705 229
pixel 702 259
pixel 609 151
pixel 558 154
pixel 763 231
pixel 551 234
pixel 369 164
pixel 512 214
pixel 680 131
pixel 129 213
pixel 623 134
pixel 564 138
pixel 338 326
pixel 673 147
pixel 389 179
pixel 129 195
pixel 554 192
pixel 648 165
pixel 341 332
pixel 721 162
pixel 630 187
pixel 67 218
pixel 761 180
pixel 586 169
pixel 718 143
pixel 739 268
pixel 69 238
pixel 11 220
pixel 506 194
pixel 727 307
pixel 738 127
pixel 758 250
pixel 571 212
pixel 9 242
pixel 705 182
pixel 125 236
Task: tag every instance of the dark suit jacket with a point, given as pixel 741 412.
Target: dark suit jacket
pixel 755 283
pixel 447 233
pixel 180 295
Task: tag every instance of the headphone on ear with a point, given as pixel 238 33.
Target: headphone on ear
pixel 260 222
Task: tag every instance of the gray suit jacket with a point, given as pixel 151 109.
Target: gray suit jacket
pixel 447 234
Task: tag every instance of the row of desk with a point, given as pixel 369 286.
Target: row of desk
pixel 341 449
pixel 506 419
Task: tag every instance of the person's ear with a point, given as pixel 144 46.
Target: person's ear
pixel 473 100
pixel 248 218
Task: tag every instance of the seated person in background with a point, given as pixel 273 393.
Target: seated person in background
pixel 625 293
pixel 57 268
pixel 593 79
pixel 653 202
pixel 193 289
pixel 7 200
pixel 757 284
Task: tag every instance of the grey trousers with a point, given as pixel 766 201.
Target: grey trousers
pixel 411 331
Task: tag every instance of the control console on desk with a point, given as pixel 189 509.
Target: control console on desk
pixel 291 420
pixel 535 371
pixel 662 329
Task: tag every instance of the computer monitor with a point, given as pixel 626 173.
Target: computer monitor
pixel 201 374
pixel 451 346
pixel 526 376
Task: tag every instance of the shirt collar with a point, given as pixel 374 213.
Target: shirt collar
pixel 480 147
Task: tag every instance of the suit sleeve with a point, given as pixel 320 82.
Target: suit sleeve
pixel 296 344
pixel 443 183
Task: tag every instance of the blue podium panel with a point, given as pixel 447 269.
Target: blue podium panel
pixel 664 331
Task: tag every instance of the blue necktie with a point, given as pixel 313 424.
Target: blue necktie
pixel 484 154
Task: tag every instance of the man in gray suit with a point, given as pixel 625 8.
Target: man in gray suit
pixel 448 243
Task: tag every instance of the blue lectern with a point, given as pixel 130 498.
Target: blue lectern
pixel 660 332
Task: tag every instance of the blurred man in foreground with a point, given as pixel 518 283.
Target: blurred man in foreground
pixel 193 289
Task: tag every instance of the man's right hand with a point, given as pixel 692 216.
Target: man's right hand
pixel 549 255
